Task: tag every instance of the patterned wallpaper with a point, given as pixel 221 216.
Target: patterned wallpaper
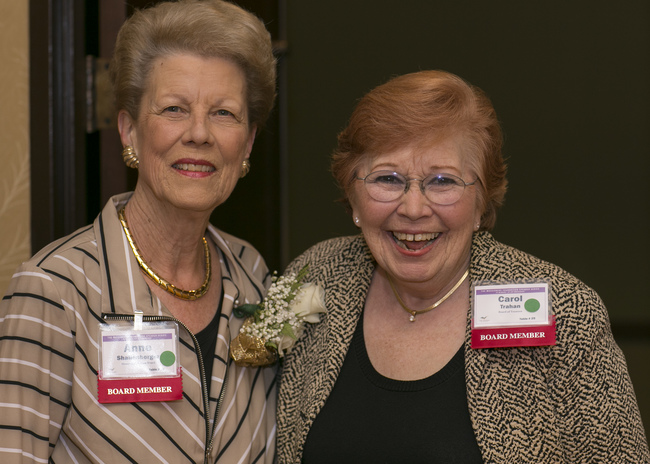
pixel 14 138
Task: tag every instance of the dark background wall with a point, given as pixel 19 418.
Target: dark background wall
pixel 571 84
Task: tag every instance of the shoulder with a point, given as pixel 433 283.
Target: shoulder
pixel 59 279
pixel 238 246
pixel 336 253
pixel 76 265
pixel 240 253
pixel 66 255
pixel 577 307
pixel 492 260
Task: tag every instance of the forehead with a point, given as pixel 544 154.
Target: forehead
pixel 418 158
pixel 194 74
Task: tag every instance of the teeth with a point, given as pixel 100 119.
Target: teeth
pixel 415 237
pixel 194 167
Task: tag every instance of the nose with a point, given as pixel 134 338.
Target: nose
pixel 419 182
pixel 198 131
pixel 413 204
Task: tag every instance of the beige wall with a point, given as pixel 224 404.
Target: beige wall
pixel 14 138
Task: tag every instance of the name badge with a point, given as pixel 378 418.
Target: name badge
pixel 139 363
pixel 508 315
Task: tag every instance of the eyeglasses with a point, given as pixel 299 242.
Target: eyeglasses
pixel 441 189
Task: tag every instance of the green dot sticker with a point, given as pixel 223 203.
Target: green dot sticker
pixel 167 358
pixel 532 305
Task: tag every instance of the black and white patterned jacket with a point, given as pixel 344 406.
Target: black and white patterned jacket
pixel 572 402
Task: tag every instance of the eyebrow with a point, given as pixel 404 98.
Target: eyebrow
pixel 431 170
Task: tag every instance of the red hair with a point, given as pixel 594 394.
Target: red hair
pixel 423 109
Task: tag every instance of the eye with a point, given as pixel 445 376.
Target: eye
pixel 172 109
pixel 441 181
pixel 386 178
pixel 224 113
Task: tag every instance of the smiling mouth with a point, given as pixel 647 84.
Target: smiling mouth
pixel 414 242
pixel 194 167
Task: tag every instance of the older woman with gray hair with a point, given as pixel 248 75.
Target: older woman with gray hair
pixel 114 340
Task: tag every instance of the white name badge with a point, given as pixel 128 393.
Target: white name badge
pixel 145 353
pixel 139 361
pixel 511 305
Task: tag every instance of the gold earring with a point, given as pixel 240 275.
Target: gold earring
pixel 245 168
pixel 130 158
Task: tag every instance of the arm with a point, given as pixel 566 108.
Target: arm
pixel 596 401
pixel 36 359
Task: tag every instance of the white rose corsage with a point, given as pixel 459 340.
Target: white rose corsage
pixel 272 327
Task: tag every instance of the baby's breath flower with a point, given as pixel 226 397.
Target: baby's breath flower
pixel 289 303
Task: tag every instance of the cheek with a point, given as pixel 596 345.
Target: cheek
pixel 373 219
pixel 234 148
pixel 156 138
pixel 468 208
pixel 363 206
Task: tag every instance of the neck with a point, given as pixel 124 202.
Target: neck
pixel 171 243
pixel 418 298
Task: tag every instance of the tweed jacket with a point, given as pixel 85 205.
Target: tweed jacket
pixel 50 322
pixel 572 402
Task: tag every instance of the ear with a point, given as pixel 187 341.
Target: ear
pixel 126 126
pixel 477 218
pixel 355 217
pixel 249 142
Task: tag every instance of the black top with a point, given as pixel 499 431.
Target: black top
pixel 371 418
pixel 207 339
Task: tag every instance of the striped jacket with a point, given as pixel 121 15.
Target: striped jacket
pixel 49 332
pixel 568 403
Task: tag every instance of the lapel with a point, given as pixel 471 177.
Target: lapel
pixel 475 359
pixel 123 286
pixel 346 282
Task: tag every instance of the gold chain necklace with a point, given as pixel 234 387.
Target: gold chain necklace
pixel 413 312
pixel 177 292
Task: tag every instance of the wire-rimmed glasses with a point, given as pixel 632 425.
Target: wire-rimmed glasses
pixel 439 188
